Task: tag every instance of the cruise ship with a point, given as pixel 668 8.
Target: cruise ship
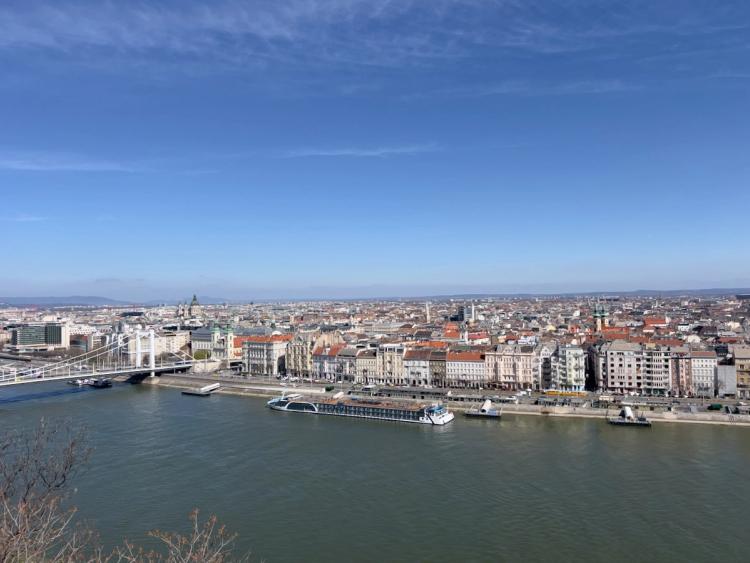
pixel 337 405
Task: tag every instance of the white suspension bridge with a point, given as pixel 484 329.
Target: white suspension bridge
pixel 117 358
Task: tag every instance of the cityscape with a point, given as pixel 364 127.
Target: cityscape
pixel 374 281
pixel 646 346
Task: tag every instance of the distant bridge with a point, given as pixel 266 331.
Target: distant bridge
pixel 111 360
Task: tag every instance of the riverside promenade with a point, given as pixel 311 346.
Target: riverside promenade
pixel 238 385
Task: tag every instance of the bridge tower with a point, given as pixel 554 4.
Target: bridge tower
pixel 152 351
pixel 138 350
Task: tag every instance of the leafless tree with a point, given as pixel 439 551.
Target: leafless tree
pixel 36 524
pixel 35 469
pixel 209 542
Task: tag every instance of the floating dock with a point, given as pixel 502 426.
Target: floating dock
pixel 485 411
pixel 204 391
pixel 627 418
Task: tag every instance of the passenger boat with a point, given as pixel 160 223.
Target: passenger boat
pixel 627 418
pixel 485 411
pixel 101 382
pixel 436 414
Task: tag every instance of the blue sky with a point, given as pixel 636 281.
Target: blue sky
pixel 357 148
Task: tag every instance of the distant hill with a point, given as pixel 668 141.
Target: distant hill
pixel 72 300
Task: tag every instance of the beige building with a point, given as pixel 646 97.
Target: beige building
pixel 264 355
pixel 299 361
pixel 512 366
pixel 390 364
pixel 367 367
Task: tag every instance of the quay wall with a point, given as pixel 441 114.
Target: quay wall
pixel 236 386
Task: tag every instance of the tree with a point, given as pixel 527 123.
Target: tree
pixel 207 543
pixel 36 468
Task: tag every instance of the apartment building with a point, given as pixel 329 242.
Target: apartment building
pixel 466 369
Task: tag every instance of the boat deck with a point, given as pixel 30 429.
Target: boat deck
pixel 369 403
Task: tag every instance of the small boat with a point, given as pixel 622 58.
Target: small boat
pixel 485 411
pixel 627 418
pixel 204 391
pixel 78 382
pixel 100 382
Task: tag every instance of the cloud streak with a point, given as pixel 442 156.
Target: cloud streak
pixel 362 152
pixel 58 162
pixel 569 88
pixel 22 218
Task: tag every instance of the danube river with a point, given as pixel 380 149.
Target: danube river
pixel 300 487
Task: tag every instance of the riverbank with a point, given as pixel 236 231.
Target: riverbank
pixel 248 389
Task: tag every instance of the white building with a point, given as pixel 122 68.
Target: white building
pixel 568 369
pixel 703 364
pixel 264 355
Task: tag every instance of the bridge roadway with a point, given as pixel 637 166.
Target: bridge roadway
pixel 13 379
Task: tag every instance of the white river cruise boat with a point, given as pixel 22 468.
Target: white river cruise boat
pixel 436 414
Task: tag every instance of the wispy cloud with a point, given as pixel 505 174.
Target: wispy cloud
pixel 362 152
pixel 22 218
pixel 523 88
pixel 58 162
pixel 361 32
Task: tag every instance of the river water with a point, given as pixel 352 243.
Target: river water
pixel 334 489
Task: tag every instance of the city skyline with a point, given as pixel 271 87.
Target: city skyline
pixel 360 149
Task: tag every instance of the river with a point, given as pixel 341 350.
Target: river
pixel 334 489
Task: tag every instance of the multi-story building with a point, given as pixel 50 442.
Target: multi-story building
pixel 703 365
pixel 466 368
pixel 367 366
pixel 326 362
pixel 543 365
pixel 657 370
pixel 215 343
pixel 619 366
pixel 299 355
pixel 628 367
pixel 682 371
pixel 346 364
pixel 264 355
pixel 390 363
pixel 568 368
pixel 742 365
pixel 39 337
pixel 417 367
pixel 437 366
pixel 512 366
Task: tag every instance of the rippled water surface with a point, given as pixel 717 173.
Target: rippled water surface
pixel 334 489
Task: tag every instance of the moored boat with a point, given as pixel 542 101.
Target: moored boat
pixel 436 414
pixel 100 382
pixel 627 418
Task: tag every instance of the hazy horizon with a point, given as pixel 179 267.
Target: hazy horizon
pixel 371 292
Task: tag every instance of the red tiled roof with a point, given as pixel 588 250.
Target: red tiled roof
pixel 238 340
pixel 465 356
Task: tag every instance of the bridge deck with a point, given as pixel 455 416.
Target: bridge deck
pixel 10 379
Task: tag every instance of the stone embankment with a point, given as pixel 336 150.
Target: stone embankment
pixel 240 386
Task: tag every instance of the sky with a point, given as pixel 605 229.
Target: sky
pixel 332 148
